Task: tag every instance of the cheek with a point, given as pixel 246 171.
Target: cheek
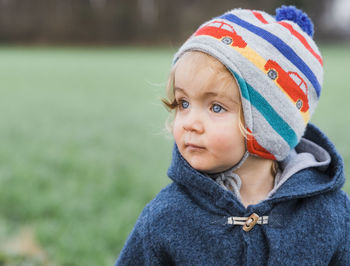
pixel 176 131
pixel 227 139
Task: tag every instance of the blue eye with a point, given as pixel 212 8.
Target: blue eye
pixel 184 104
pixel 217 108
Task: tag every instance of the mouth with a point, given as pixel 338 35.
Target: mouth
pixel 192 146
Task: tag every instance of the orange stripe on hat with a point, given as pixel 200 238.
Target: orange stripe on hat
pixel 255 148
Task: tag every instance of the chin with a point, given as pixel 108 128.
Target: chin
pixel 212 170
pixel 206 169
pixel 207 166
pixel 199 166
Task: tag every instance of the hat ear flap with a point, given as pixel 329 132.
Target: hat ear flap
pixel 255 148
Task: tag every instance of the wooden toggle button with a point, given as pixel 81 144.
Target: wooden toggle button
pixel 251 222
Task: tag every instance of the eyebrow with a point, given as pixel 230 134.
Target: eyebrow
pixel 208 94
pixel 205 94
pixel 179 89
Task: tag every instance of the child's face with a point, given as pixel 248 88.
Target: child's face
pixel 206 124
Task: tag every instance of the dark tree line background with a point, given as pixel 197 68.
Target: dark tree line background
pixel 125 21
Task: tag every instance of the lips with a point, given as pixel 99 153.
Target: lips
pixel 192 146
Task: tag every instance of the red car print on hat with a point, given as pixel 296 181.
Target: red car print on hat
pixel 291 83
pixel 222 31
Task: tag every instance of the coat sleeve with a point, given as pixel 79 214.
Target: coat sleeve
pixel 342 255
pixel 138 249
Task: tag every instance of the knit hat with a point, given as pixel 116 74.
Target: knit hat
pixel 277 66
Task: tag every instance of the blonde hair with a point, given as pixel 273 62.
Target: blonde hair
pixel 221 72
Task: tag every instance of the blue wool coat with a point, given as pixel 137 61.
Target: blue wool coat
pixel 186 224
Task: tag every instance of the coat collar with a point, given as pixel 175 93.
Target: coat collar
pixel 305 183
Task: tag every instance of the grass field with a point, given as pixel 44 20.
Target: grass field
pixel 83 146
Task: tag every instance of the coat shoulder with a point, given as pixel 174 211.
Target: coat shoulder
pixel 169 201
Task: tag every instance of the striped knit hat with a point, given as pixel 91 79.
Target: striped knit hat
pixel 277 66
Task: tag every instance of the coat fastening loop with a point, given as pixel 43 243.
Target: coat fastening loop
pixel 248 222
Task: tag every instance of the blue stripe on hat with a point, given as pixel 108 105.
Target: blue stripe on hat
pixel 271 116
pixel 279 45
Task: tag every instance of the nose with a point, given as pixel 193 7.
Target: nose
pixel 194 121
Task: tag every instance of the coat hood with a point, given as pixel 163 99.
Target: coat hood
pixel 305 183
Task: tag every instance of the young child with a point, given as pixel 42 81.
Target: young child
pixel 253 182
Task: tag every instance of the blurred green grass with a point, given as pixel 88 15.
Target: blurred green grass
pixel 83 145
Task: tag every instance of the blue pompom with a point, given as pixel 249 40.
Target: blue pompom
pixel 296 15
